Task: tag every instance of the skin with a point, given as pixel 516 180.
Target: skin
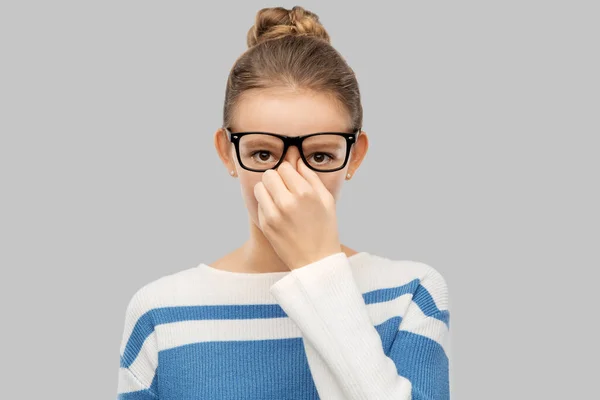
pixel 291 112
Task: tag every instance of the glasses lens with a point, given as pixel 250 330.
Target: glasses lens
pixel 261 152
pixel 322 152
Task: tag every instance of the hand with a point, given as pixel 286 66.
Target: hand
pixel 296 213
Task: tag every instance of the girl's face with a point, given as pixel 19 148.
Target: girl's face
pixel 290 113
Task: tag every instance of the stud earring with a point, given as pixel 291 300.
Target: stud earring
pixel 348 175
pixel 232 173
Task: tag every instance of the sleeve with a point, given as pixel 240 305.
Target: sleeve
pixel 138 377
pixel 343 348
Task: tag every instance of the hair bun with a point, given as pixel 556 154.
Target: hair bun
pixel 277 22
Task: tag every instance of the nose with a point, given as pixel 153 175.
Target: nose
pixel 292 155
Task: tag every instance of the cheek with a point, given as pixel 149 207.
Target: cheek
pixel 247 183
pixel 333 182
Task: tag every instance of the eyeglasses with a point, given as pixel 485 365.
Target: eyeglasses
pixel 321 152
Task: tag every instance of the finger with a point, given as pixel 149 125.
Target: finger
pixel 313 179
pixel 265 201
pixel 293 180
pixel 274 184
pixel 261 218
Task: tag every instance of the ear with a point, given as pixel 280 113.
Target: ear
pixel 358 152
pixel 225 150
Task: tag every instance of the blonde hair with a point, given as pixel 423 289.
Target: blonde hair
pixel 291 49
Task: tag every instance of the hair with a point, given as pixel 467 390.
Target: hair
pixel 291 49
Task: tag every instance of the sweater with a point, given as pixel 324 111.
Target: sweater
pixel 358 327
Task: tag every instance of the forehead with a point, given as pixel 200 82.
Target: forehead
pixel 289 112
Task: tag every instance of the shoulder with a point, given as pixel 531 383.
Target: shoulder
pixel 376 271
pixel 168 290
pixel 396 269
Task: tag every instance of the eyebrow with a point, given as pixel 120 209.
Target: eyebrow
pixel 261 142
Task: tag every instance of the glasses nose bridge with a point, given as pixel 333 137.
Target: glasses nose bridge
pixel 292 141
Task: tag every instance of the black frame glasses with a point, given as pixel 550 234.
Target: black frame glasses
pixel 234 137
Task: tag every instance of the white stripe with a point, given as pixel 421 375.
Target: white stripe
pixel 186 332
pixel 381 312
pixel 436 285
pixel 127 382
pixel 180 333
pixel 429 327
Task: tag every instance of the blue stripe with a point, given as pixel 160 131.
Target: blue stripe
pixel 426 303
pixel 164 315
pixel 387 332
pixel 142 329
pixel 387 294
pixel 444 316
pixel 237 369
pixel 420 296
pixel 424 363
pixel 418 358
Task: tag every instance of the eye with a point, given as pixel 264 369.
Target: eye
pixel 319 158
pixel 261 155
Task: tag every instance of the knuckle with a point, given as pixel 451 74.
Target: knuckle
pixel 287 205
pixel 272 219
pixel 305 194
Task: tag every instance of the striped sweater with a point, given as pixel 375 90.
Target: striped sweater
pixel 358 327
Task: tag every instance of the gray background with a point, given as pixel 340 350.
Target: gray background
pixel 483 162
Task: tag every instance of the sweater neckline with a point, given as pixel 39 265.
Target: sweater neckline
pixel 355 258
